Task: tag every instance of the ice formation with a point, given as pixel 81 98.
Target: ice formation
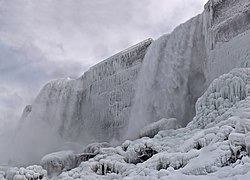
pixel 217 149
pixel 94 107
pixel 178 67
pixel 150 81
pixel 164 124
pixel 31 172
pixel 56 163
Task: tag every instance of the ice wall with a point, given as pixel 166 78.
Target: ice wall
pixel 176 70
pixel 179 66
pixel 93 108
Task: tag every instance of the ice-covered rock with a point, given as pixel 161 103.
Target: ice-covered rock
pixel 95 147
pixel 92 108
pixel 152 129
pixel 91 151
pixel 56 163
pixel 34 172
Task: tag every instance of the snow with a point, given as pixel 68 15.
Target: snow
pixel 31 172
pixel 56 163
pixel 163 124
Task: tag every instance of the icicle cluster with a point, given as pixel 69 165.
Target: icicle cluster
pixel 221 95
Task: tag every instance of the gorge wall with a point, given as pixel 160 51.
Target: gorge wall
pixel 95 107
pixel 117 97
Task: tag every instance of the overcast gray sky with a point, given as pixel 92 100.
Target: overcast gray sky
pixel 42 40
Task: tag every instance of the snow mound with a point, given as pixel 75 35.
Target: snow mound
pixel 152 129
pixel 56 163
pixel 34 172
pixel 95 147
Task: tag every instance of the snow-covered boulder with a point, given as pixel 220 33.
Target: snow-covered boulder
pixel 95 147
pixel 34 172
pixel 56 163
pixel 152 129
pixel 91 151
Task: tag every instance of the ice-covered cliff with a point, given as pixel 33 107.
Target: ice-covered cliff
pixel 148 82
pixel 178 67
pixel 92 108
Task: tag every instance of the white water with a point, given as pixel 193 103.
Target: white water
pixel 164 88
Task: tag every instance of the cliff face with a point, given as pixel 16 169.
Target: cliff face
pixel 96 106
pixel 179 67
pixel 176 70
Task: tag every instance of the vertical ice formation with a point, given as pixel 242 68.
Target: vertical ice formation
pixel 178 67
pixel 223 93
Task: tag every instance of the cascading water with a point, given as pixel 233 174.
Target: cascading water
pixel 171 78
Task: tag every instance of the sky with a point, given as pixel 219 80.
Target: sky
pixel 41 40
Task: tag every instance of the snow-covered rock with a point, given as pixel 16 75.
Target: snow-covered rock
pixel 31 172
pixel 152 129
pixel 56 163
pixel 95 147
